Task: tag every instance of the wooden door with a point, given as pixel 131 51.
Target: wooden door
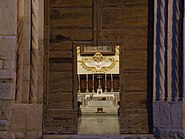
pixel 66 22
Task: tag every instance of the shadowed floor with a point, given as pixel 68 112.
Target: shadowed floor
pixel 99 124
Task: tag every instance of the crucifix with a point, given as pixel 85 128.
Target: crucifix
pixel 99 83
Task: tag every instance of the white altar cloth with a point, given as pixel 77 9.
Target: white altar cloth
pixel 92 96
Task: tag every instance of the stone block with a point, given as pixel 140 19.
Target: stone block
pixel 164 133
pixel 156 121
pixel 18 120
pixel 3 125
pixel 40 90
pixel 1 64
pixel 8 18
pixel 41 19
pixel 177 115
pixel 26 90
pixel 26 57
pixel 34 117
pixel 164 115
pixel 7 74
pixel 19 135
pixel 8 47
pixel 5 107
pixel 173 133
pixel 9 64
pixel 33 135
pixel 181 133
pixel 26 74
pixel 3 135
pixel 6 90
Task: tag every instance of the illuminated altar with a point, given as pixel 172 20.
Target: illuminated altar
pixel 98 83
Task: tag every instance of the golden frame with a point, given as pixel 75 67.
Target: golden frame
pixel 89 50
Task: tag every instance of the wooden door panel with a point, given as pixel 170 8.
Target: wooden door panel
pixel 127 22
pixel 70 3
pixel 66 21
pixel 71 17
pixel 61 95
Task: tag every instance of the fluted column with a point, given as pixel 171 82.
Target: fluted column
pixel 20 52
pixel 34 52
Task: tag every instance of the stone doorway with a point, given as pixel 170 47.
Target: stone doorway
pixel 94 21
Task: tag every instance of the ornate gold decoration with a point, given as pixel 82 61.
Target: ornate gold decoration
pixel 117 49
pixel 98 63
pixel 78 50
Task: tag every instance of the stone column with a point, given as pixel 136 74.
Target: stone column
pixel 169 53
pixel 34 51
pixel 20 49
pixel 27 47
pixel 154 51
pixel 160 46
pixel 168 109
pixel 176 37
pixel 159 61
pixel 26 118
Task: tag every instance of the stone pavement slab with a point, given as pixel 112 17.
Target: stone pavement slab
pixel 129 136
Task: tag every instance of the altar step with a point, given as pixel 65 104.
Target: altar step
pixel 103 109
pixel 129 136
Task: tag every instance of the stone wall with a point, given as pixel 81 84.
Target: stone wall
pixel 26 121
pixel 8 27
pixel 19 117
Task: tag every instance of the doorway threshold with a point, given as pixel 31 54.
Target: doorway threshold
pixel 125 136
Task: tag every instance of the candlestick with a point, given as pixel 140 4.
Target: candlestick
pixel 105 83
pixel 87 86
pixel 99 82
pixel 93 91
pixel 79 90
pixel 112 90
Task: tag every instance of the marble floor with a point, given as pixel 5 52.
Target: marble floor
pixel 99 124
